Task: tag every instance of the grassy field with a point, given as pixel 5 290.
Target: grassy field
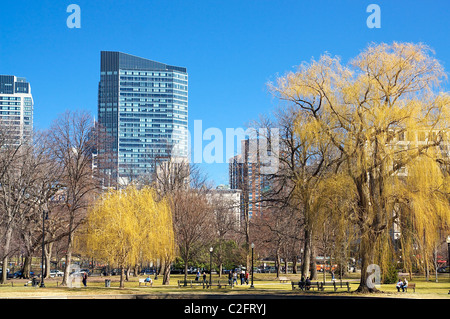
pixel 264 284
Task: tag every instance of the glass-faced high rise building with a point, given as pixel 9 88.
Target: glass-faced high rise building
pixel 16 108
pixel 143 108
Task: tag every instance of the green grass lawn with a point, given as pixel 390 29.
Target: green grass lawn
pixel 264 284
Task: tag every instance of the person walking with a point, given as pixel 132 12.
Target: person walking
pixel 234 277
pixel 85 279
pixel 197 277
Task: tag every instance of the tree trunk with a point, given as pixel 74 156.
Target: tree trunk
pixel 122 278
pixel 127 274
pixel 294 265
pixel 306 259
pixel 166 271
pixel 8 236
pixel 48 256
pixel 277 263
pixel 367 251
pixel 313 264
pixel 65 280
pixel 185 269
pixel 26 268
pixel 4 270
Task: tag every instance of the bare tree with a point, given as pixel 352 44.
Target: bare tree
pixel 176 179
pixel 192 222
pixel 72 146
pixel 225 223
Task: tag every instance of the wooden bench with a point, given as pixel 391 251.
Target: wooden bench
pixel 219 284
pixel 283 279
pixel 335 285
pixel 411 285
pixel 190 283
pixel 142 281
pixel 34 282
pixel 314 285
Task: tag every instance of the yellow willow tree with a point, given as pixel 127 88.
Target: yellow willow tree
pixel 336 197
pixel 426 190
pixel 365 109
pixel 127 226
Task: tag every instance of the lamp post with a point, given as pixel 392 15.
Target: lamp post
pixel 44 217
pixel 210 265
pixel 253 246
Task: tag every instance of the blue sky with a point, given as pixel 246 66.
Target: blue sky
pixel 230 48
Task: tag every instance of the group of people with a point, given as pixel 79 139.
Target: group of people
pixel 304 284
pixel 197 276
pixel 243 276
pixel 402 285
pixel 232 277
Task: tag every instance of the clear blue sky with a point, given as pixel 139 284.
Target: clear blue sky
pixel 230 48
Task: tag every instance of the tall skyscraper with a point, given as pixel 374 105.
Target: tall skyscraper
pixel 245 174
pixel 143 107
pixel 16 108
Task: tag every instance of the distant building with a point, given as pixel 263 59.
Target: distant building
pixel 229 201
pixel 143 107
pixel 172 174
pixel 412 140
pixel 245 175
pixel 16 108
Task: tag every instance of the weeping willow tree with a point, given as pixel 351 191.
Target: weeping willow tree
pixel 335 200
pixel 365 109
pixel 427 214
pixel 127 226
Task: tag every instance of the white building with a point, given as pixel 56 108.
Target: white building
pixel 16 108
pixel 228 202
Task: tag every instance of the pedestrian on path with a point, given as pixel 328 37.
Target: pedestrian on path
pixel 85 279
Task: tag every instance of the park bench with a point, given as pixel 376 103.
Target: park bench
pixel 190 283
pixel 314 285
pixel 142 281
pixel 411 285
pixel 34 282
pixel 220 284
pixel 283 279
pixel 336 285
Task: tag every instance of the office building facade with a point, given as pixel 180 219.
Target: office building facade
pixel 16 108
pixel 143 109
pixel 245 175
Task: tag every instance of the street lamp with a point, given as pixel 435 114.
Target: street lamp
pixel 210 265
pixel 253 246
pixel 44 217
